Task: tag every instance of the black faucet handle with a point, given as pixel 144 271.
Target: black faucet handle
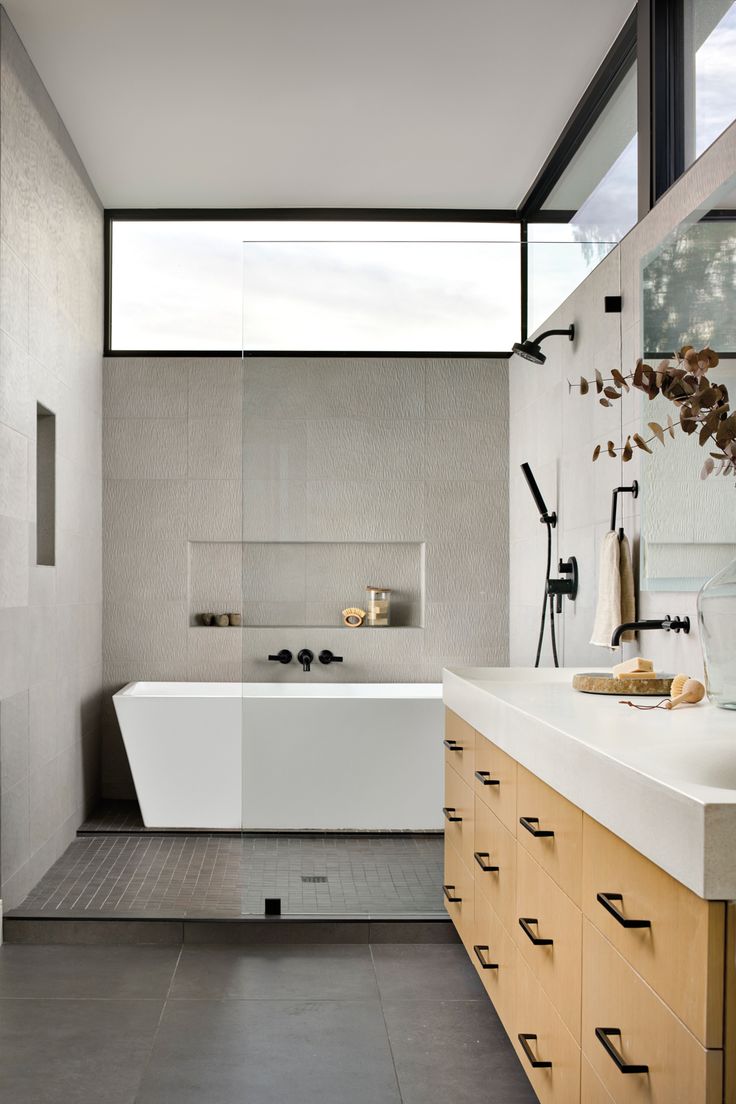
pixel 327 657
pixel 284 656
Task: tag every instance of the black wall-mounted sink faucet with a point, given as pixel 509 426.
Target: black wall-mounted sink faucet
pixel 306 658
pixel 668 624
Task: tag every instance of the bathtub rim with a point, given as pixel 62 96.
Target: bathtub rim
pixel 282 691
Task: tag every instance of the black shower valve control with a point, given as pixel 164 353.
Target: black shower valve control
pixel 567 585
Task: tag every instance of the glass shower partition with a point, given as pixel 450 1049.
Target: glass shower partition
pixel 337 823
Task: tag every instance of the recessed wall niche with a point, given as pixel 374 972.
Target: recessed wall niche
pixel 45 486
pixel 286 583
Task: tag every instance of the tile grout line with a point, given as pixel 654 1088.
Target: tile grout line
pixel 147 1062
pixel 385 1025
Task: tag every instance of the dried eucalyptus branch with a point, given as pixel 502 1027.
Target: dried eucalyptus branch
pixel 704 406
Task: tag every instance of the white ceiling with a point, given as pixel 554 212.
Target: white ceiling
pixel 376 103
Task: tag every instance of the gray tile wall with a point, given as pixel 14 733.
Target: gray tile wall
pixel 50 352
pixel 408 453
pixel 556 430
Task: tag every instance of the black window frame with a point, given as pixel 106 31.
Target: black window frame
pixel 652 39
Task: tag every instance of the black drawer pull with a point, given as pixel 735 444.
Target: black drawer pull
pixel 477 950
pixel 485 778
pixel 607 899
pixel 449 810
pixel 529 822
pixel 524 922
pixel 452 745
pixel 537 1063
pixel 448 892
pixel 479 856
pixel 601 1034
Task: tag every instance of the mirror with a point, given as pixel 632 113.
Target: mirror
pixel 688 286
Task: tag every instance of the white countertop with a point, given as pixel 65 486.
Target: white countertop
pixel 664 781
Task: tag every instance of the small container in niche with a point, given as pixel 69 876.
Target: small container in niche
pixel 378 607
pixel 222 620
pixel 206 618
pixel 235 620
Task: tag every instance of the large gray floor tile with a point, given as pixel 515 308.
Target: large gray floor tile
pixel 302 972
pixel 119 972
pixel 454 1051
pixel 74 1051
pixel 425 972
pixel 270 1052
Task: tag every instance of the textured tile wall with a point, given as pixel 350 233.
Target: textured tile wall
pixel 407 457
pixel 50 352
pixel 555 430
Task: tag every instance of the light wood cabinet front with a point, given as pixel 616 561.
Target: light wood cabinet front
pixel 460 746
pixel 459 890
pixel 636 1046
pixel 459 811
pixel 548 932
pixel 551 829
pixel 591 1087
pixel 495 847
pixel 678 946
pixel 495 780
pixel 494 956
pixel 544 1038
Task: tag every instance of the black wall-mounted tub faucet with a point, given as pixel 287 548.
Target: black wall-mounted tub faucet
pixel 306 658
pixel 668 624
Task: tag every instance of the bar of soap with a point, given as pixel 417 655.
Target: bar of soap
pixel 636 666
pixel 637 676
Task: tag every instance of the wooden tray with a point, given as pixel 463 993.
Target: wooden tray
pixel 590 682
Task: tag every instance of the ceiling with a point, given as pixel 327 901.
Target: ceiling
pixel 376 103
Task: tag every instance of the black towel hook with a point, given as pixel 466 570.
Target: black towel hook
pixel 633 490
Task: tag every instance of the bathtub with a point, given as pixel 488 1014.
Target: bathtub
pixel 285 756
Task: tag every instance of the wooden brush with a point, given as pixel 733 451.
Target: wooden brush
pixel 685 691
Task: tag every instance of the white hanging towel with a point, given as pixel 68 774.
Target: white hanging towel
pixel 616 601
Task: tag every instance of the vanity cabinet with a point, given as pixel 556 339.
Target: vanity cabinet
pixel 611 978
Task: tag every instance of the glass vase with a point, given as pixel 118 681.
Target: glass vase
pixel 717 617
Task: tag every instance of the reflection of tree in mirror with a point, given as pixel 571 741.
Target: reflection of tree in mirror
pixel 689 289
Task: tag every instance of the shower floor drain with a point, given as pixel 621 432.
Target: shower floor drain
pixel 313 878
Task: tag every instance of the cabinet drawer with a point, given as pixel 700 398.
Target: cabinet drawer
pixel 494 957
pixel 638 1029
pixel 495 780
pixel 547 915
pixel 679 947
pixel 495 847
pixel 458 891
pixel 459 810
pixel 460 745
pixel 551 829
pixel 591 1088
pixel 559 1082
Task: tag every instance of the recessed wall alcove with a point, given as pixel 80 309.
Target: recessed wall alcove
pixel 303 583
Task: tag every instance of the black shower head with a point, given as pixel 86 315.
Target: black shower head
pixel 530 350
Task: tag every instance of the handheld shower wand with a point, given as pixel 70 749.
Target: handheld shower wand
pixel 544 514
pixel 548 518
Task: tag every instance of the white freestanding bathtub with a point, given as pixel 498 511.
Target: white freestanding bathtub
pixel 283 756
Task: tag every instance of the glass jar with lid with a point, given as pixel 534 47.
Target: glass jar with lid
pixel 378 607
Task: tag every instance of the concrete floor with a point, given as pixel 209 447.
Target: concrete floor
pixel 298 1024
